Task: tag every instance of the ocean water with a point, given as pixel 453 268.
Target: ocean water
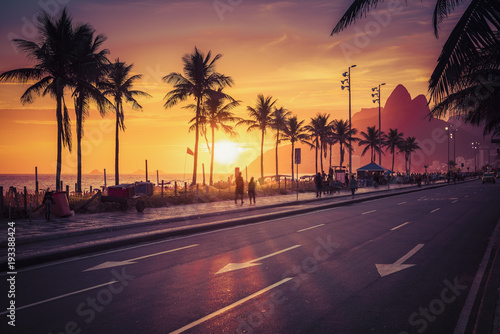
pixel 96 181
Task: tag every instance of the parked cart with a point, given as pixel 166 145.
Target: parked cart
pixel 129 194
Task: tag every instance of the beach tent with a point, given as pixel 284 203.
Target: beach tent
pixel 371 167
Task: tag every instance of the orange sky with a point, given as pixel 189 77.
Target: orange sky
pixel 280 48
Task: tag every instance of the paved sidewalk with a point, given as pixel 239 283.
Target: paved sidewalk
pixel 39 229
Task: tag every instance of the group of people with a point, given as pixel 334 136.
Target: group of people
pixel 240 189
pixel 331 186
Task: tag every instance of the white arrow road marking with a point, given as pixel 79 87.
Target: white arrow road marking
pixel 227 308
pixel 387 269
pixel 238 266
pixel 111 264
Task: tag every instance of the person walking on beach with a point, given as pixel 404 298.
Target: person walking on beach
pixel 318 182
pixel 240 187
pixel 353 185
pixel 251 190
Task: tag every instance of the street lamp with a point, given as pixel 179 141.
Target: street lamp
pixel 448 129
pixel 346 83
pixel 475 146
pixel 376 96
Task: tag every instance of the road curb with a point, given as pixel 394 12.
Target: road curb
pixel 107 244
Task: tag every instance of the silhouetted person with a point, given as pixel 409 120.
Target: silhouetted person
pixel 240 187
pixel 251 191
pixel 353 185
pixel 318 182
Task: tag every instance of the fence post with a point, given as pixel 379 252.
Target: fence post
pixel 175 189
pixel 25 200
pixel 1 202
pixel 285 184
pixel 161 188
pixel 67 192
pixel 186 189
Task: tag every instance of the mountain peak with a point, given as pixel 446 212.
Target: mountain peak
pixel 399 98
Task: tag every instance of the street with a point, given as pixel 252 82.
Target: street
pixel 402 264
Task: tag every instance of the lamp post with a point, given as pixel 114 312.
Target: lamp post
pixel 376 96
pixel 448 129
pixel 346 83
pixel 475 146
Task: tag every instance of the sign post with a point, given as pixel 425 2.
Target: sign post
pixel 297 162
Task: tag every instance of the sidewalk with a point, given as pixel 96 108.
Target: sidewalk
pixel 38 229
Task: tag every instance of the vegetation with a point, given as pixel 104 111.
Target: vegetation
pixel 118 86
pixel 261 118
pixel 295 132
pixel 278 123
pixel 370 141
pixel 392 141
pixel 199 80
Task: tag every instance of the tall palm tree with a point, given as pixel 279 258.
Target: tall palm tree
pixel 53 57
pixel 370 141
pixel 295 132
pixel 199 79
pixel 341 135
pixel 318 128
pixel 391 141
pixel 469 61
pixel 408 146
pixel 278 123
pixel 118 85
pixel 261 118
pixel 89 68
pixel 216 114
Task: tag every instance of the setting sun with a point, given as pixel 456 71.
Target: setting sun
pixel 226 152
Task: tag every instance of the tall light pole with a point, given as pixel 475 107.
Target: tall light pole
pixel 448 129
pixel 346 83
pixel 376 96
pixel 475 146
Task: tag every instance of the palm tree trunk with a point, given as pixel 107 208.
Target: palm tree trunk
pixel 341 153
pixel 79 151
pixel 79 135
pixel 117 144
pixel 59 140
pixel 277 142
pixel 316 156
pixel 321 157
pixel 212 158
pixel 196 141
pixel 262 158
pixel 393 154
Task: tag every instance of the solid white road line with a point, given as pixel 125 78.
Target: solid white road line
pixel 454 201
pixel 395 228
pixel 227 308
pixel 401 203
pixel 471 297
pixel 365 213
pixel 435 210
pixel 61 296
pixel 310 228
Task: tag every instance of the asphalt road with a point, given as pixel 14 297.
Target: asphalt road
pixel 401 264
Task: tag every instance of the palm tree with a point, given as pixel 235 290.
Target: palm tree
pixel 89 68
pixel 341 135
pixel 408 146
pixel 318 129
pixel 371 142
pixel 53 57
pixel 198 81
pixel 468 64
pixel 295 132
pixel 118 85
pixel 216 115
pixel 278 123
pixel 391 141
pixel 261 117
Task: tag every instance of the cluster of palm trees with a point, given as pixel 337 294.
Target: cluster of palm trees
pixel 69 59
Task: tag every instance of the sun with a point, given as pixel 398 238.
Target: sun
pixel 226 152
